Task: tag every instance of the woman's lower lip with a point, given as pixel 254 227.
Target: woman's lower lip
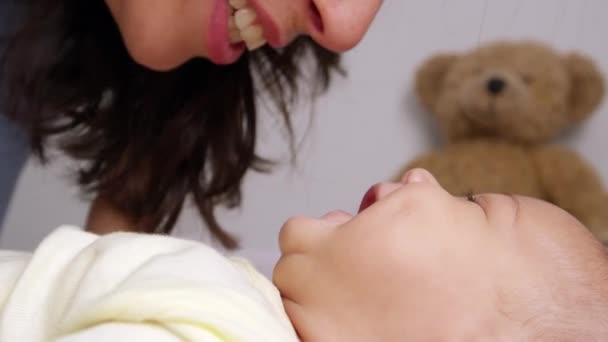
pixel 220 49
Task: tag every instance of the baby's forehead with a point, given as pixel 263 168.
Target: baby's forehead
pixel 554 233
pixel 558 253
pixel 536 212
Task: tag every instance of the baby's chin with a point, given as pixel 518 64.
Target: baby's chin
pixel 337 217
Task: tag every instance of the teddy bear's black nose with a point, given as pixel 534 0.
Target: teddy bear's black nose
pixel 496 85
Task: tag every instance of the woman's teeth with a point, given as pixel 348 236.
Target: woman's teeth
pixel 242 25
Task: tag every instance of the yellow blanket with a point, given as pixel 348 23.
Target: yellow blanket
pixel 80 287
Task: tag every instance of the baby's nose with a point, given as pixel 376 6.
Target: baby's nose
pixel 418 176
pixel 381 190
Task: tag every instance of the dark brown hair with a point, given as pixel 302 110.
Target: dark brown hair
pixel 146 140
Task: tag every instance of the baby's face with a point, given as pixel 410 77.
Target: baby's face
pixel 417 263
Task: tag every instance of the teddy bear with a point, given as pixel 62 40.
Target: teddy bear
pixel 499 108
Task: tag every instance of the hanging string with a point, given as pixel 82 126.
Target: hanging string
pixel 580 31
pixel 561 10
pixel 483 21
pixel 514 17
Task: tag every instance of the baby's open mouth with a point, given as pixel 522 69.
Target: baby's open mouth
pixel 243 26
pixel 369 198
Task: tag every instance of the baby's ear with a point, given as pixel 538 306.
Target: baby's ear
pixel 430 77
pixel 587 86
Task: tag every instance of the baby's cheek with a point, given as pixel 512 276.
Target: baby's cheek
pixel 359 264
pixel 291 274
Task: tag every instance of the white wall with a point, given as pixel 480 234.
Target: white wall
pixel 364 129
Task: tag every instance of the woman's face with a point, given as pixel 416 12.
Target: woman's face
pixel 163 34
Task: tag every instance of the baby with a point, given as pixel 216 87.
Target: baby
pixel 415 264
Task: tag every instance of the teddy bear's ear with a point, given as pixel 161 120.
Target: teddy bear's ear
pixel 430 76
pixel 587 86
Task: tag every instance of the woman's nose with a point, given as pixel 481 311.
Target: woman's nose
pixel 341 24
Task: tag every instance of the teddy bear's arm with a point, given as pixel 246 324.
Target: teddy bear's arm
pixel 572 183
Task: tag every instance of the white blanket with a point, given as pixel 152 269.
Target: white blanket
pixel 80 287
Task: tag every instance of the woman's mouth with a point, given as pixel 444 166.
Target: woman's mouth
pixel 243 25
pixel 236 25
